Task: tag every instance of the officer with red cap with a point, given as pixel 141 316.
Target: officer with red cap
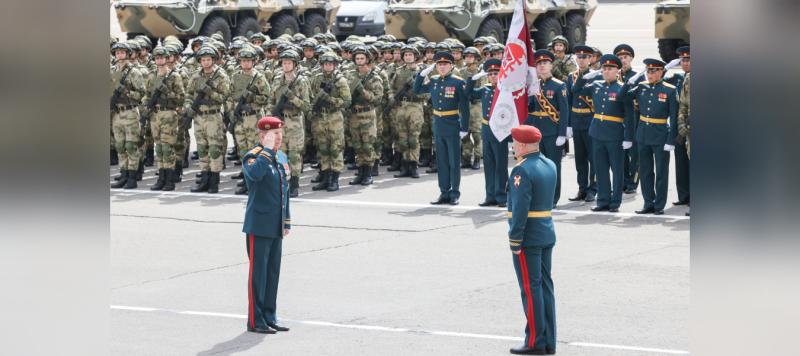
pixel 531 235
pixel 266 222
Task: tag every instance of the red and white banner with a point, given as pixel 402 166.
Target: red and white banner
pixel 517 77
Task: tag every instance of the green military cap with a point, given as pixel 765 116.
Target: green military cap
pixel 160 51
pixel 456 45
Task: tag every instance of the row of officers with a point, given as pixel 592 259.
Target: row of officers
pixel 620 120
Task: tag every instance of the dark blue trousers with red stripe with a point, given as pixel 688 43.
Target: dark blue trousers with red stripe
pixel 262 287
pixel 538 300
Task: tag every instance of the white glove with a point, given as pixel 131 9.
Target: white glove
pixel 626 145
pixel 428 70
pixel 569 132
pixel 479 75
pixel 636 77
pixel 669 148
pixel 591 74
pixel 463 134
pixel 674 63
pixel 561 140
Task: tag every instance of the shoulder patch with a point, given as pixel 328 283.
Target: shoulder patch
pixel 668 85
pixel 558 81
pixel 457 77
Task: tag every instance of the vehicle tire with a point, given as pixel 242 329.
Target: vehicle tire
pixel 575 30
pixel 315 23
pixel 247 26
pixel 667 48
pixel 284 23
pixel 492 27
pixel 546 29
pixel 216 24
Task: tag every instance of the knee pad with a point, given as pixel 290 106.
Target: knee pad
pixel 323 150
pixel 158 149
pixel 202 150
pixel 119 146
pixel 214 152
pixel 131 146
pixel 166 150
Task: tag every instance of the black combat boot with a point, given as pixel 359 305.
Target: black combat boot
pixel 386 156
pixel 323 182
pixel 359 177
pixel 476 164
pixel 123 177
pixel 169 176
pixel 375 169
pixel 397 162
pixel 333 182
pixel 466 163
pixel 319 177
pixel 161 180
pixel 148 156
pixel 114 157
pixel 412 169
pixel 404 172
pixel 294 186
pixel 120 175
pixel 177 175
pixel 241 190
pixel 202 185
pixel 239 175
pixel 433 166
pixel 140 171
pixel 349 155
pixel 194 154
pixel 241 183
pixel 367 175
pixel 424 157
pixel 213 183
pixel 232 153
pixel 198 175
pixel 131 183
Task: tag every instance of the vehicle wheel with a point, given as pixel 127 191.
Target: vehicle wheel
pixel 247 26
pixel 216 24
pixel 492 27
pixel 546 29
pixel 575 30
pixel 667 48
pixel 315 23
pixel 284 24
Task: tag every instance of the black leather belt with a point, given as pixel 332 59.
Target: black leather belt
pixel 121 108
pixel 210 112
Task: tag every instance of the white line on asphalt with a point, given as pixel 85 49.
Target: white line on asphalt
pixel 402 205
pixel 403 330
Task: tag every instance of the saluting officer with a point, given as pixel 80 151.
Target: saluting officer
pixel 611 130
pixel 266 222
pixel 495 153
pixel 549 112
pixel 531 236
pixel 655 134
pixel 579 121
pixel 450 123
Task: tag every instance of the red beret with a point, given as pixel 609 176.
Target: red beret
pixel 526 134
pixel 269 123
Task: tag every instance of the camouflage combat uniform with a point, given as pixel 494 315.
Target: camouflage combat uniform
pixel 297 103
pixel 125 116
pixel 164 119
pixel 209 130
pixel 327 124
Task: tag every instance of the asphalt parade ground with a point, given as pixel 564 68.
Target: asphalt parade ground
pixel 377 270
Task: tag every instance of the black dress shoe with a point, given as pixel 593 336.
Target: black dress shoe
pixel 589 198
pixel 277 327
pixel 488 203
pixel 502 205
pixel 453 201
pixel 524 350
pixel 550 351
pixel 260 330
pixel 440 201
pixel 680 202
pixel 687 214
pixel 579 197
pixel 613 210
pixel 629 191
pixel 646 210
pixel 658 212
pixel 600 208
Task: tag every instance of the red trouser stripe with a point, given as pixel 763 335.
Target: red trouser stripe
pixel 251 303
pixel 526 286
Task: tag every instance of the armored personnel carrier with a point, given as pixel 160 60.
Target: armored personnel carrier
pixel 672 27
pixel 436 20
pixel 189 18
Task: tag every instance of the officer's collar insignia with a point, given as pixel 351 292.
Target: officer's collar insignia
pixel 517 178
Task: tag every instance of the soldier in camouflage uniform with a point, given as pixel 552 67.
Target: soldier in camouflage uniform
pixel 471 146
pixel 183 140
pixel 427 156
pixel 146 143
pixel 382 126
pixel 684 113
pixel 332 95
pixel 309 57
pixel 250 87
pixel 564 64
pixel 125 113
pixel 292 92
pixel 367 92
pixel 213 84
pixel 164 117
pixel 408 112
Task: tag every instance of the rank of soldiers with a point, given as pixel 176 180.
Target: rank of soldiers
pixel 357 105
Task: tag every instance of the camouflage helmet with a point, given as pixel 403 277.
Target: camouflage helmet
pixel 258 36
pixel 236 45
pixel 328 57
pixel 491 39
pixel 480 41
pixel 199 40
pixel 496 48
pixel 170 38
pixel 247 53
pixel 173 49
pixel 472 51
pixel 320 49
pixel 120 46
pixel 335 47
pixel 308 43
pixel 430 46
pixel 207 51
pixel 456 45
pixel 410 48
pixel 133 45
pixel 561 39
pixel 442 47
pixel 268 44
pixel 373 51
pixel 362 49
pixel 298 37
pixel 114 40
pixel 320 37
pixel 259 51
pixel 218 37
pixel 380 45
pixel 412 40
pixel 290 54
pixel 144 41
pixel 160 51
pixel 219 46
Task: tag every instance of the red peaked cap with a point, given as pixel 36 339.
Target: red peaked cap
pixel 526 134
pixel 269 123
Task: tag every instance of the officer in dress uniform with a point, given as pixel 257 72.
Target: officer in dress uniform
pixel 531 236
pixel 611 130
pixel 450 122
pixel 681 155
pixel 582 110
pixel 655 134
pixel 266 222
pixel 495 153
pixel 626 54
pixel 549 112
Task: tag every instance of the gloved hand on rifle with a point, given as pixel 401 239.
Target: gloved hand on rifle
pixel 205 88
pixel 247 94
pixel 323 96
